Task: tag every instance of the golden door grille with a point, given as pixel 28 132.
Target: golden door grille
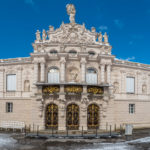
pixel 93 116
pixel 51 116
pixel 72 117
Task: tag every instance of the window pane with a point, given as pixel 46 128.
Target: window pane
pixel 53 76
pixel 11 82
pixel 9 107
pixel 130 85
pixel 131 108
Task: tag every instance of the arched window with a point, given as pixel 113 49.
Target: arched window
pixel 91 76
pixel 53 75
pixel 91 53
pixel 72 52
pixel 53 52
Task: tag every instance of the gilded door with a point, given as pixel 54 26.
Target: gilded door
pixel 72 117
pixel 93 116
pixel 51 116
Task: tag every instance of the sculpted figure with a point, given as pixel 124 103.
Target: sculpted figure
pixel 44 36
pixel 144 88
pixel 93 29
pixel 51 28
pixel 38 37
pixel 105 38
pixel 116 87
pixel 100 37
pixel 71 11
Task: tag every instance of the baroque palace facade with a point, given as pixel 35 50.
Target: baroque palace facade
pixel 71 80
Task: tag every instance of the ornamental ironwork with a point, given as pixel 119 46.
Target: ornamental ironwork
pixel 51 89
pixel 95 90
pixel 51 116
pixel 93 116
pixel 73 89
pixel 72 117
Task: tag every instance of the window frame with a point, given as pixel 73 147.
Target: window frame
pixel 7 83
pixel 128 92
pixel 131 108
pixel 58 71
pixel 87 73
pixel 9 109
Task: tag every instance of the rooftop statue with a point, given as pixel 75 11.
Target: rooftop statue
pixel 105 38
pixel 71 11
pixel 38 37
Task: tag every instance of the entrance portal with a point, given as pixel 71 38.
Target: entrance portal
pixel 51 116
pixel 72 117
pixel 93 116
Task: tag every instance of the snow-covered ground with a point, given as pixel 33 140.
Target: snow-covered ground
pixel 6 141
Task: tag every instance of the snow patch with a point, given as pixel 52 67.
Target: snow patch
pixel 111 146
pixel 6 140
pixel 142 140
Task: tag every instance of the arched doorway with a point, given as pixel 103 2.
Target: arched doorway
pixel 93 116
pixel 72 117
pixel 51 116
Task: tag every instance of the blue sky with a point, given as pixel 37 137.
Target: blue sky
pixel 127 23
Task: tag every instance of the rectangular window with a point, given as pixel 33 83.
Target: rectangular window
pixel 91 78
pixel 9 107
pixel 131 108
pixel 130 85
pixel 11 82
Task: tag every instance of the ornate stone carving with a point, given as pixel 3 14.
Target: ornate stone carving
pixel 73 75
pixel 75 34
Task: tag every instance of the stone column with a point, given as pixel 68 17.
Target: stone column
pixel 83 70
pixel 42 71
pixel 109 74
pixel 102 73
pixel 36 72
pixel 19 82
pixel 62 69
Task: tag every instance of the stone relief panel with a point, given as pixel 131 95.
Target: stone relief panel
pixel 72 75
pixel 116 87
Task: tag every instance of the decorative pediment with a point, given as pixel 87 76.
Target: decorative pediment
pixel 72 33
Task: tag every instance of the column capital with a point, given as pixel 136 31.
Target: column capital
pixel 62 60
pixel 83 60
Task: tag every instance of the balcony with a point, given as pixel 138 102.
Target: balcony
pixel 73 90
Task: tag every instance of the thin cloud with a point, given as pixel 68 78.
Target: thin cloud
pixel 130 58
pixel 119 24
pixel 30 2
pixel 127 59
pixel 102 28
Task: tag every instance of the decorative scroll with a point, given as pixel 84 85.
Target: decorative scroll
pixel 73 89
pixel 51 89
pixel 95 90
pixel 72 117
pixel 93 116
pixel 51 116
